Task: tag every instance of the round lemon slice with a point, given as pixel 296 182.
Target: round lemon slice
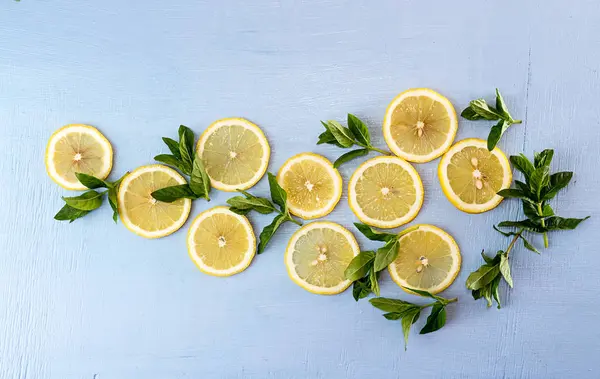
pixel 471 176
pixel 144 215
pixel 317 256
pixel 235 153
pixel 220 242
pixel 385 192
pixel 77 148
pixel 419 125
pixel 313 185
pixel 428 259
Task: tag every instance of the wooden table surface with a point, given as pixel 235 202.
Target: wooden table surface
pixel 92 300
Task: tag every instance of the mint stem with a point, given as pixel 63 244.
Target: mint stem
pixel 539 207
pixel 379 150
pixel 454 300
pixel 512 243
pixel 517 121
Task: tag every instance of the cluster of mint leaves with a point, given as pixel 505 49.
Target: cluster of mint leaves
pixel 244 204
pixel 184 158
pixel 480 110
pixel 355 134
pixel 78 206
pixel 538 189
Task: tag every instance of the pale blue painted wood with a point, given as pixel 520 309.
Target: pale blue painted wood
pixel 91 300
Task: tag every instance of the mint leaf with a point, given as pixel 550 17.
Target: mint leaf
pixel 68 213
pixel 436 319
pixel 501 106
pixel 374 280
pixel 268 232
pixel 199 180
pixel 88 201
pixel 374 235
pixel 361 288
pixel 359 130
pixel 186 148
pixel 484 275
pixel 173 147
pixel 173 161
pixel 407 320
pixel 386 255
pixel 523 164
pixel 505 269
pixel 342 135
pixel 480 107
pixel 173 193
pixel 496 133
pixel 252 203
pixel 278 194
pixel 90 181
pixel 470 114
pixel 558 181
pixel 391 305
pixel 360 265
pixel 543 159
pixel 350 156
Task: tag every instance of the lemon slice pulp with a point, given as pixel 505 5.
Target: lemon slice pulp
pixel 317 256
pixel 77 148
pixel 471 176
pixel 428 259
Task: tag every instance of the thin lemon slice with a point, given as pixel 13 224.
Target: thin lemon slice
pixel 317 256
pixel 77 148
pixel 471 176
pixel 419 125
pixel 313 185
pixel 385 192
pixel 220 242
pixel 144 215
pixel 428 259
pixel 235 153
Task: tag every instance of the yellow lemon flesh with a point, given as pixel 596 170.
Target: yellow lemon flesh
pixel 428 259
pixel 420 125
pixel 77 148
pixel 317 256
pixel 235 153
pixel 471 176
pixel 220 242
pixel 312 184
pixel 385 192
pixel 144 215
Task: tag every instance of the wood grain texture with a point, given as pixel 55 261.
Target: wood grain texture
pixel 91 300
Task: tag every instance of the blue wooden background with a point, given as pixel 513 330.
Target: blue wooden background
pixel 92 300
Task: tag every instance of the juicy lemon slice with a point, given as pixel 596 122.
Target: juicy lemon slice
pixel 317 256
pixel 144 215
pixel 235 153
pixel 419 125
pixel 385 192
pixel 470 175
pixel 220 242
pixel 313 185
pixel 428 259
pixel 77 148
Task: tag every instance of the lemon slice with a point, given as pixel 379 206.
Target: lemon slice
pixel 317 256
pixel 220 242
pixel 235 153
pixel 313 185
pixel 77 148
pixel 470 175
pixel 419 125
pixel 144 215
pixel 428 259
pixel 385 192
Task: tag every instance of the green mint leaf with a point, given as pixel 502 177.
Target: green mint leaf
pixel 259 204
pixel 484 275
pixel 173 193
pixel 327 137
pixel 360 265
pixel 173 147
pixel 393 316
pixel 505 234
pixel 374 280
pixel 240 211
pixel 486 292
pixel 514 193
pixel 531 211
pixel 268 232
pixel 428 294
pixel 359 130
pixel 68 213
pixel 199 180
pixel 523 164
pixel 90 181
pixel 560 223
pixel 470 114
pixel 374 235
pixel 547 211
pixel 496 133
pixel 386 255
pixel 350 156
pixel 505 269
pixel 496 259
pixel 112 200
pixel 392 305
pixel 171 160
pixel 436 319
pixel 278 194
pixel 543 159
pixel 342 134
pixel 558 181
pixel 525 224
pixel 524 188
pixel 480 107
pixel 528 245
pixel 407 320
pixel 361 288
pixel 540 178
pixel 494 290
pixel 88 201
pixel 501 106
pixel 186 148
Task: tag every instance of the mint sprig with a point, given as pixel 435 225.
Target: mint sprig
pixel 409 313
pixel 184 158
pixel 479 109
pixel 539 187
pixel 355 134
pixel 244 204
